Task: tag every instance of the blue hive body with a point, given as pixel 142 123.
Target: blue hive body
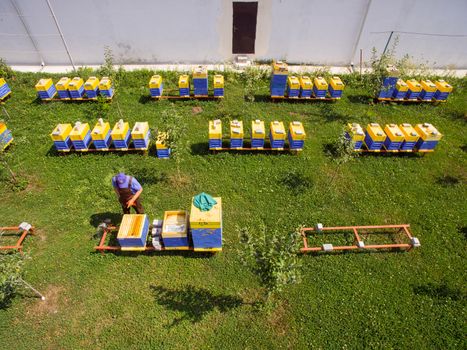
pixel 218 92
pixel 46 95
pixel 407 146
pixel 295 144
pixel 64 94
pixel 426 145
pixel 5 138
pixel 77 93
pixel 236 143
pixel 200 86
pixel 257 143
pixel 163 153
pixel 276 143
pixel 63 145
pixel 372 145
pixel 84 144
pixel 107 93
pixel 278 85
pixel 103 144
pixel 319 93
pixel 156 92
pixel 207 238
pixel 292 92
pixel 123 143
pixel 142 143
pixel 305 93
pixel 412 95
pixel 334 93
pixel 389 85
pixel 92 93
pixel 426 95
pixel 392 146
pixel 357 144
pixel 136 242
pixel 441 96
pixel 4 90
pixel 184 91
pixel 215 143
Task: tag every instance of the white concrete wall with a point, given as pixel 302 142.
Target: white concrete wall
pixel 200 31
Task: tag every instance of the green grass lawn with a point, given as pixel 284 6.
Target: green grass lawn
pixel 184 300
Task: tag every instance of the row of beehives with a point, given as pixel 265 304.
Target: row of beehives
pixel 80 137
pixel 277 135
pixel 283 85
pixel 6 138
pixel 178 231
pixel 394 138
pixel 74 89
pixel 199 82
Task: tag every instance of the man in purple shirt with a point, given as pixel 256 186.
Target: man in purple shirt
pixel 128 191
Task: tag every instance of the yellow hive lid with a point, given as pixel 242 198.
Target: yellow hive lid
pixel 105 81
pixel 376 132
pixel 206 219
pixel 337 83
pixel 140 128
pixel 76 82
pixel 428 85
pixel 63 82
pixel 277 127
pixel 443 86
pixel 61 131
pixel 215 127
pixel 175 223
pixel 393 132
pixel 2 127
pixel 200 72
pixel 401 85
pixel 257 126
pixel 428 132
pixel 293 82
pixel 320 82
pixel 280 67
pixel 218 79
pixel 44 83
pixel 155 81
pixel 91 83
pixel 305 82
pixel 2 81
pixel 236 128
pixel 414 85
pixel 79 128
pixel 297 130
pixel 355 129
pixel 101 127
pixel 120 127
pixel 183 78
pixel 410 134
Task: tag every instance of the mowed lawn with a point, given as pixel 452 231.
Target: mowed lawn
pixel 184 300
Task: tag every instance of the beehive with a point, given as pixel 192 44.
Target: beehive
pixel 121 135
pixel 236 134
pixel 206 227
pixel 76 88
pixel 218 85
pixel 443 89
pixel 414 89
pixel 184 85
pixel 200 81
pixel 140 135
pixel 215 134
pixel 400 91
pixel 6 138
pixel 80 136
pixel 278 79
pixel 336 87
pixel 277 134
pixel 133 231
pixel 296 135
pixel 175 230
pixel 105 87
pixel 306 87
pixel 429 137
pixel 394 138
pixel 258 133
pixel 162 148
pixel 91 87
pixel 355 133
pixel 389 82
pixel 156 87
pixel 410 137
pixel 61 137
pixel 62 88
pixel 45 89
pixel 428 90
pixel 320 87
pixel 4 89
pixel 293 86
pixel 100 135
pixel 374 137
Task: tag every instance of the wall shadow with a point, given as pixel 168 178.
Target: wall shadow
pixel 195 303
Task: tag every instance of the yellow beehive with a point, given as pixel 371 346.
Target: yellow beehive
pixel 297 131
pixel 61 132
pixel 140 130
pixel 79 131
pixel 75 84
pixel 428 132
pixel 236 129
pixel 293 82
pixel 410 134
pixel 105 83
pixel 280 68
pixel 131 226
pixel 2 127
pixel 91 84
pixel 320 83
pixel 100 130
pixel 63 83
pixel 336 83
pixel 155 82
pixel 161 141
pixel 277 130
pixel 215 129
pixel 355 132
pixel 414 85
pixel 428 86
pixel 218 81
pixel 394 133
pixel 206 219
pixel 306 83
pixel 200 72
pixel 44 84
pixel 2 81
pixel 258 130
pixel 120 130
pixel 401 85
pixel 443 86
pixel 184 81
pixel 375 132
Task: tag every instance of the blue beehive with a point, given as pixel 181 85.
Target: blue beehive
pixel 443 89
pixel 206 227
pixel 121 135
pixel 293 86
pixel 140 135
pixel 200 81
pixel 218 85
pixel 61 137
pixel 5 136
pixel 355 134
pixel 429 137
pixel 91 87
pixel 46 89
pixel 76 88
pixel 236 134
pixel 389 82
pixel 374 137
pixel 175 230
pixel 410 137
pixel 296 135
pixel 306 87
pixel 278 83
pixel 215 134
pixel 105 87
pixel 258 134
pixel 100 135
pixel 156 87
pixel 428 90
pixel 394 138
pixel 320 87
pixel 133 231
pixel 4 89
pixel 414 88
pixel 336 87
pixel 400 91
pixel 80 136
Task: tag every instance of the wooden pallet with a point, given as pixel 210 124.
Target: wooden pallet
pixel 285 98
pixel 384 100
pixel 192 96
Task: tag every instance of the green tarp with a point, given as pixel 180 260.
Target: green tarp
pixel 204 201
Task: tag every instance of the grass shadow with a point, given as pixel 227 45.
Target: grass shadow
pixel 147 176
pixel 447 181
pixel 199 149
pixel 463 230
pixel 295 182
pixel 362 99
pixel 194 303
pixel 98 218
pixel 144 99
pixel 464 148
pixel 439 291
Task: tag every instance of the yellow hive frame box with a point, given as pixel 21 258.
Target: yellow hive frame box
pixel 200 72
pixel 218 81
pixel 132 226
pixel 428 86
pixel 401 85
pixel 120 130
pixel 443 86
pixel 75 83
pixel 258 130
pixel 428 132
pixel 161 140
pixel 91 84
pixel 79 131
pixel 175 224
pixel 293 82
pixel 277 130
pixel 394 133
pixel 320 83
pixel 356 131
pixel 280 68
pixel 306 83
pixel 105 83
pixel 410 134
pixel 100 130
pixel 297 131
pixel 155 82
pixel 44 84
pixel 375 131
pixel 61 132
pixel 215 129
pixel 140 130
pixel 414 85
pixel 206 219
pixel 336 83
pixel 62 84
pixel 184 81
pixel 236 129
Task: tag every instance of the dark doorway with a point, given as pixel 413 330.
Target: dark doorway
pixel 244 27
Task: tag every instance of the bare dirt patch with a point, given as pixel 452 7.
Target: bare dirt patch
pixel 50 306
pixel 196 110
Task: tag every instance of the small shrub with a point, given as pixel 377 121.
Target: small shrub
pixel 5 70
pixel 11 266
